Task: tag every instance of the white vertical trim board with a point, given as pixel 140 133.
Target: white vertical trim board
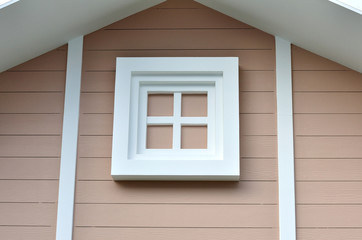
pixel 68 157
pixel 287 225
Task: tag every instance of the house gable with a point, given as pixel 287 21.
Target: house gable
pixel 327 134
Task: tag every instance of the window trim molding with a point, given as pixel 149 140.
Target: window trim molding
pixel 226 82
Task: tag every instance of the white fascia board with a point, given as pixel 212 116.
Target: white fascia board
pixel 7 3
pixel 286 179
pixel 68 157
pixel 353 5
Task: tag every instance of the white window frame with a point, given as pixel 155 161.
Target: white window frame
pixel 177 88
pixel 136 78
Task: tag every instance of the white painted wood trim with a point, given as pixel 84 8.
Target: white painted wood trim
pixel 194 121
pixel 69 141
pixel 286 180
pixel 177 124
pixel 176 75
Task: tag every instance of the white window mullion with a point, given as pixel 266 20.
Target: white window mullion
pixel 183 120
pixel 177 105
pixel 194 121
pixel 160 120
pixel 177 122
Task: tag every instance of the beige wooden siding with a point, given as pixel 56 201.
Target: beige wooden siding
pixel 178 210
pixel 31 113
pixel 328 140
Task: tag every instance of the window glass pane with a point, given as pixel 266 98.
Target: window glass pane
pixel 160 105
pixel 194 105
pixel 159 137
pixel 194 137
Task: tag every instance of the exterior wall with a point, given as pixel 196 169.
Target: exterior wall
pixel 105 209
pixel 31 113
pixel 328 140
pixel 327 127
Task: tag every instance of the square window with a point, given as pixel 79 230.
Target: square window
pixel 176 119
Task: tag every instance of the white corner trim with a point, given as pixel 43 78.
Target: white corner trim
pixel 286 180
pixel 68 157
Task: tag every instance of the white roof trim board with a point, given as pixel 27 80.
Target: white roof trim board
pixel 5 3
pixel 353 5
pixel 33 27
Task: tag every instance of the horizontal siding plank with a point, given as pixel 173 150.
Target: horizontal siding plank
pixel 64 47
pixel 96 102
pixel 258 169
pixel 32 81
pixel 55 60
pixel 330 234
pixel 31 102
pixel 327 81
pixel 250 146
pixel 258 146
pixel 95 146
pixel 30 146
pixel 257 102
pixel 329 169
pixel 29 168
pixel 305 60
pixel 328 147
pixel 158 18
pixel 25 124
pixel 172 4
pixel 29 233
pixel 177 192
pixel 94 169
pixel 175 215
pixel 250 169
pixel 257 80
pixel 328 192
pixel 320 124
pixel 27 214
pixel 98 81
pixel 318 216
pixel 327 102
pixel 249 81
pixel 174 234
pixel 96 124
pixel 28 191
pixel 171 39
pixel 257 124
pixel 248 59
